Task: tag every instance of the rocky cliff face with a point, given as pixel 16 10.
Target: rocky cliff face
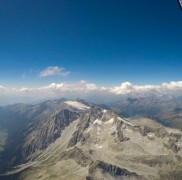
pixel 110 171
pixel 86 119
pixel 46 131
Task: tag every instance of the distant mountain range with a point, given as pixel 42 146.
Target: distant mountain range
pixel 65 139
pixel 165 109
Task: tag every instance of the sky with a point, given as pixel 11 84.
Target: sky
pixel 105 43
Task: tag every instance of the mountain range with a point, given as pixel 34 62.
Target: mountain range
pixel 131 139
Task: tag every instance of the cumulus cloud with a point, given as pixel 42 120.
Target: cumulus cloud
pixel 54 71
pixel 124 88
pixel 165 88
pixel 172 85
pixel 87 90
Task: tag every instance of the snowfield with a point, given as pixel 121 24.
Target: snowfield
pixel 77 105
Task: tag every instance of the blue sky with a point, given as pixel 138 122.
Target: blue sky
pixel 106 42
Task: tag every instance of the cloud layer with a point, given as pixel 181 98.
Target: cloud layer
pixel 54 71
pixel 86 90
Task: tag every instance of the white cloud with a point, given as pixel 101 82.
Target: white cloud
pixel 86 90
pixel 81 86
pixel 124 88
pixel 165 88
pixel 24 90
pixel 53 71
pixel 2 89
pixel 172 85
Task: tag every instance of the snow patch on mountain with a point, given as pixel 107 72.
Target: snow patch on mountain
pixel 125 121
pixel 110 121
pixel 98 147
pixel 77 105
pixel 98 122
